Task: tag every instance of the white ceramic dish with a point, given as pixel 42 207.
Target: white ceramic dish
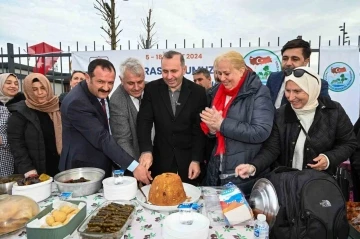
pixel 191 191
pixel 173 229
pixel 37 191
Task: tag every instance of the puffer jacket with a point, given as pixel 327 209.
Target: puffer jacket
pixel 331 133
pixel 247 125
pixel 26 139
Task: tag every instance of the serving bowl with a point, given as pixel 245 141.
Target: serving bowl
pixel 6 183
pixel 38 191
pixel 94 175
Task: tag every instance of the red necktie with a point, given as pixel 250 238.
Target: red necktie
pixel 102 101
pixel 103 106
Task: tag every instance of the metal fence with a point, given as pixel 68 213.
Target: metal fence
pixel 12 61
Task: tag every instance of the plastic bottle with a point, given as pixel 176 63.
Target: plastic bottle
pixel 261 229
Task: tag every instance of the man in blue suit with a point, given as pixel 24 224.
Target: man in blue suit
pixel 295 53
pixel 86 137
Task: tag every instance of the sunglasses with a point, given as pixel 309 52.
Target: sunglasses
pixel 298 73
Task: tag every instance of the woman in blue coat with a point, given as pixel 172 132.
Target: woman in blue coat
pixel 241 118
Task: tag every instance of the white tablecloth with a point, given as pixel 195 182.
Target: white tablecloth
pixel 147 223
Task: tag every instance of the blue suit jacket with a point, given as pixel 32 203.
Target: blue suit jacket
pixel 275 81
pixel 86 138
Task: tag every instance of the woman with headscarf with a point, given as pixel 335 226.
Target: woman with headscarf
pixel 240 118
pixel 9 94
pixel 309 131
pixel 34 129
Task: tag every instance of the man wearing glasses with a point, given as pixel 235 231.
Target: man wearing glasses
pixel 295 53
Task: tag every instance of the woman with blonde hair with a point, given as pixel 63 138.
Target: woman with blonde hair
pixel 9 94
pixel 34 130
pixel 240 117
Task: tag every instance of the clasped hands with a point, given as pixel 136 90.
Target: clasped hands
pixel 212 118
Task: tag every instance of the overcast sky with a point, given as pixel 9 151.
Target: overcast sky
pixel 69 21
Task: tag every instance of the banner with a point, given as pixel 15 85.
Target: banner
pixel 339 66
pixel 263 61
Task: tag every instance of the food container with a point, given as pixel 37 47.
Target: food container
pixel 38 191
pixel 353 233
pixel 56 232
pixel 15 212
pixel 353 216
pixel 124 191
pixel 6 183
pixel 118 234
pixel 95 175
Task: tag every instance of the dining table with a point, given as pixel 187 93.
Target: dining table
pixel 148 223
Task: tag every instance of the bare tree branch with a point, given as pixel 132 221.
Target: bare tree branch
pixel 146 41
pixel 108 15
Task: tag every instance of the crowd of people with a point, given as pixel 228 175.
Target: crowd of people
pixel 192 127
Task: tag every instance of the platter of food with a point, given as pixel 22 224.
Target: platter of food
pixel 167 192
pixel 109 220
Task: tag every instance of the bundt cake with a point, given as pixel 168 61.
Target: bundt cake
pixel 167 190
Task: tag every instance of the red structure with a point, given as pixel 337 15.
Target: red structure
pixel 43 63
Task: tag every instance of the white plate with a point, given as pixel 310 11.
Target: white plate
pixel 190 190
pixel 172 228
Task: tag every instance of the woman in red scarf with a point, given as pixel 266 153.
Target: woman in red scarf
pixel 240 117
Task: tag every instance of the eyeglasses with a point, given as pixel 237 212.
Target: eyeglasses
pixel 298 73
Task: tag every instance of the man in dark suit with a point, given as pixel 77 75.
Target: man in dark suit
pixel 295 53
pixel 173 103
pixel 86 137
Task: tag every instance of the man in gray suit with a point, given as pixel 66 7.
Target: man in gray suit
pixel 124 106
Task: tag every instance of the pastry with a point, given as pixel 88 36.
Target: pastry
pixel 167 190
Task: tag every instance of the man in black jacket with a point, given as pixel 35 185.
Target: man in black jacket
pixel 173 103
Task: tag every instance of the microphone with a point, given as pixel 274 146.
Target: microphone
pixel 177 103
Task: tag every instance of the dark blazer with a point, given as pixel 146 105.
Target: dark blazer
pixel 275 81
pixel 86 138
pixel 177 137
pixel 331 133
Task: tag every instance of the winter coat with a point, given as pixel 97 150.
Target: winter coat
pixel 331 133
pixel 26 139
pixel 246 126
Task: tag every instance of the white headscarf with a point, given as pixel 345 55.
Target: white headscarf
pixel 308 84
pixel 306 114
pixel 3 77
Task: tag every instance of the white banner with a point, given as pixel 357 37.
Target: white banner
pixel 263 61
pixel 339 66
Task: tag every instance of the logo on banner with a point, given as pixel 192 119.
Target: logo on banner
pixel 340 76
pixel 263 62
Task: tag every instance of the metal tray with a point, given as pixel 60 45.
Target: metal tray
pixel 263 199
pixel 118 234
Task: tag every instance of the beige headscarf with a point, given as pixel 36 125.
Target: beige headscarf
pixel 5 98
pixel 308 84
pixel 51 106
